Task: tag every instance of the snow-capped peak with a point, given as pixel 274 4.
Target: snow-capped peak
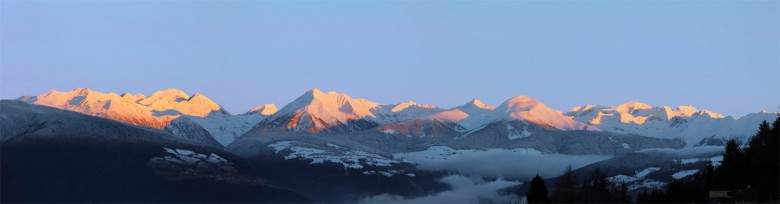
pixel 403 106
pixel 169 95
pixel 685 122
pixel 519 103
pixel 475 115
pixel 708 114
pixel 332 105
pixel 315 111
pixel 531 110
pixel 476 103
pixel 174 99
pixel 631 106
pixel 154 111
pixel 265 109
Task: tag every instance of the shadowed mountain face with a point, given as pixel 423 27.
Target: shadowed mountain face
pixel 51 155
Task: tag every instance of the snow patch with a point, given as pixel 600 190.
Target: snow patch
pixel 279 146
pixel 649 184
pixel 683 174
pixel 622 179
pixel 643 173
pixel 390 131
pixel 352 159
pixel 187 157
pixel 514 134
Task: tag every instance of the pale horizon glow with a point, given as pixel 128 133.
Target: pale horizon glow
pixel 722 56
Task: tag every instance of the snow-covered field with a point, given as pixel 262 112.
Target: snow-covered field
pixel 352 159
pixel 187 157
pixel 639 179
pixel 685 173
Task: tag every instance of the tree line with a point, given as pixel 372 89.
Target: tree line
pixel 595 188
pixel 747 172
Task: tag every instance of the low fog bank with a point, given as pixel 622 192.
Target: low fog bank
pixel 512 164
pixel 688 152
pixel 464 190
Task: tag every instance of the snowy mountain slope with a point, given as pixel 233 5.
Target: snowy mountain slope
pixel 186 128
pixel 20 119
pixel 404 111
pixel 171 110
pixel 548 142
pixel 265 110
pixel 154 111
pixel 48 152
pixel 475 115
pixel 225 128
pixel 316 111
pixel 695 127
pixel 449 123
pixel 532 111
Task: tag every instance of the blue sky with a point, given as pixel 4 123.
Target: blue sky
pixel 717 55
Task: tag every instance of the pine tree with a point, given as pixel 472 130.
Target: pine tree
pixel 730 174
pixel 642 198
pixel 623 194
pixel 761 168
pixel 538 191
pixel 599 187
pixel 752 172
pixel 566 187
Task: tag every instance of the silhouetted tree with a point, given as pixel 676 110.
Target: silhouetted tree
pixel 730 175
pixel 566 187
pixel 538 191
pixel 762 161
pixel 622 194
pixel 642 197
pixel 750 173
pixel 599 187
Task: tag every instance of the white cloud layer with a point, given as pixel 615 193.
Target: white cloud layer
pixel 464 190
pixel 688 152
pixel 520 164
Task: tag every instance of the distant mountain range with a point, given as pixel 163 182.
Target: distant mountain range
pixel 329 112
pixel 330 147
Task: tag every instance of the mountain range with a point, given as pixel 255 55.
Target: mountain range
pixel 331 147
pixel 316 112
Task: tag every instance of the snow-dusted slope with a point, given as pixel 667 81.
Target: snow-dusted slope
pixel 695 127
pixel 532 111
pixel 475 115
pixel 404 111
pixel 154 111
pixel 22 120
pixel 316 111
pixel 265 110
pixel 171 110
pixel 188 129
pixel 115 162
pixel 226 128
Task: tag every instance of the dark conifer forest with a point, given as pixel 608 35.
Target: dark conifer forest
pixel 747 173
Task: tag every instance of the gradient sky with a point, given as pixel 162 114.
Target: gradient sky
pixel 717 55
